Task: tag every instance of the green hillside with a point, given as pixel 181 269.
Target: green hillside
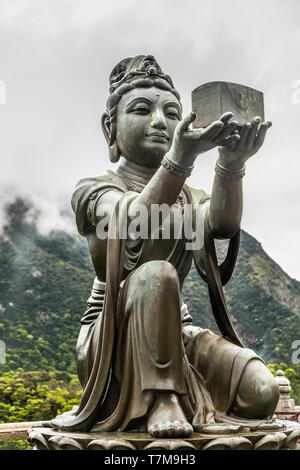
pixel 263 301
pixel 45 281
pixel 44 284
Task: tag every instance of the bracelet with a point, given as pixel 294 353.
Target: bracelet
pixel 229 174
pixel 176 169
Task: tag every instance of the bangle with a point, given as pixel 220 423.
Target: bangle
pixel 176 169
pixel 229 174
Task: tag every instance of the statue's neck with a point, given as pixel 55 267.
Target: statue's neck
pixel 135 172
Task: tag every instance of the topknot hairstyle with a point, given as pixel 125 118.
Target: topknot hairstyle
pixel 139 71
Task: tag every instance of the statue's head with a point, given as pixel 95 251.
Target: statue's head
pixel 143 110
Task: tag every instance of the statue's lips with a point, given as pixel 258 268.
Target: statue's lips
pixel 158 137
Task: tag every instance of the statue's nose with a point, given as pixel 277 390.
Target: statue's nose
pixel 158 119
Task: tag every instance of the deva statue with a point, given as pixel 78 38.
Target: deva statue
pixel 142 364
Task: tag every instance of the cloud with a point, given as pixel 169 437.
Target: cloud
pixel 42 212
pixel 2 92
pixel 56 57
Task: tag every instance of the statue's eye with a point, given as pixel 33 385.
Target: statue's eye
pixel 141 110
pixel 172 114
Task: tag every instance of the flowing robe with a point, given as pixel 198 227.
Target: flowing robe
pixel 116 359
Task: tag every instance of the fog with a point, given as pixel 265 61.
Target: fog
pixel 55 59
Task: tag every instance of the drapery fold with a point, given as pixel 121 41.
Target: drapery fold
pixel 104 331
pixel 97 343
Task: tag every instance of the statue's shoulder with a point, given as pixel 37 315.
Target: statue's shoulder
pixel 88 186
pixel 110 177
pixel 199 196
pixel 86 189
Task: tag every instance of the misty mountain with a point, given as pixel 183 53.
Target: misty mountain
pixel 46 279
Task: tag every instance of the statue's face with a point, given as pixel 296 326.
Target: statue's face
pixel 146 120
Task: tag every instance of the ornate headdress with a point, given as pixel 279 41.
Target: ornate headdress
pixel 138 71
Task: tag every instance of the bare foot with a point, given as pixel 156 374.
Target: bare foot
pixel 167 419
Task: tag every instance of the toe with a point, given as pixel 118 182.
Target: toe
pixel 162 430
pixel 188 429
pixel 169 430
pixel 178 430
pixel 153 431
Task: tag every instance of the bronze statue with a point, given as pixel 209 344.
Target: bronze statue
pixel 141 362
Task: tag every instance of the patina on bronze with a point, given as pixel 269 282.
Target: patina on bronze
pixel 212 99
pixel 142 363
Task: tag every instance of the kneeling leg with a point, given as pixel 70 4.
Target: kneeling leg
pixel 258 393
pixel 153 306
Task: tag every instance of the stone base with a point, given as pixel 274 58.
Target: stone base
pixel 49 439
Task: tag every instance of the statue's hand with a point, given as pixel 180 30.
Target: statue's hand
pixel 233 155
pixel 188 143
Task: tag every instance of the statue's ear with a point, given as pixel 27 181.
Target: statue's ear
pixel 109 131
pixel 106 126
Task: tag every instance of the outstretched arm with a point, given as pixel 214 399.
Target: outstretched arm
pixel 164 187
pixel 226 204
pixel 187 144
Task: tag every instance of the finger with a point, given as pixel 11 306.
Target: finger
pixel 184 124
pixel 227 131
pixel 262 133
pixel 226 117
pixel 253 132
pixel 232 146
pixel 213 129
pixel 230 140
pixel 244 133
pixel 193 134
pixel 209 132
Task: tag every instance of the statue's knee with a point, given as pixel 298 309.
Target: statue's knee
pixel 153 291
pixel 157 273
pixel 154 281
pixel 258 392
pixel 166 272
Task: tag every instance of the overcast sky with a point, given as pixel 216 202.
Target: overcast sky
pixel 55 58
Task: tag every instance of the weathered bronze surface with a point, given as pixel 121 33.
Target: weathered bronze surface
pixel 142 363
pixel 48 439
pixel 211 100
